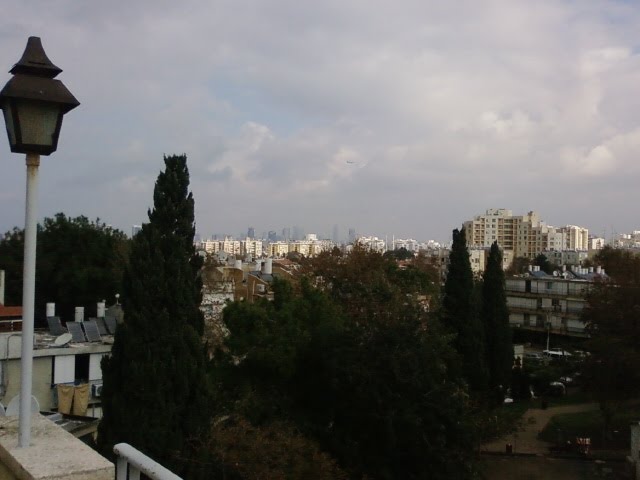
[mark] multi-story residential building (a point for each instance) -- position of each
(250, 247)
(247, 247)
(596, 243)
(525, 235)
(374, 243)
(542, 302)
(409, 244)
(566, 257)
(626, 240)
(278, 249)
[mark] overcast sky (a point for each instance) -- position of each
(393, 117)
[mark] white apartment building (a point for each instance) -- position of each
(374, 243)
(230, 246)
(278, 249)
(627, 240)
(524, 235)
(251, 247)
(409, 244)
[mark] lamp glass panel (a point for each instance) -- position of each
(8, 120)
(38, 122)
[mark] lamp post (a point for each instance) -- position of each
(33, 104)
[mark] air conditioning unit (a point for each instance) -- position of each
(96, 390)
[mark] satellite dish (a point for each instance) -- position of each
(14, 406)
(63, 339)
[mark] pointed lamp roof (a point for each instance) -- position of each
(35, 62)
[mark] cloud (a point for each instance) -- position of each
(409, 116)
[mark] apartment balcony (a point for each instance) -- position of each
(54, 453)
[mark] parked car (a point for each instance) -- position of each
(534, 357)
(556, 353)
(557, 389)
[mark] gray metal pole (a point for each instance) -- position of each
(28, 300)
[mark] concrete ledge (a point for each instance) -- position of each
(54, 453)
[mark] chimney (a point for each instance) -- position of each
(51, 309)
(1, 287)
(101, 309)
(79, 314)
(267, 267)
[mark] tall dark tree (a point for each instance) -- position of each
(460, 315)
(495, 319)
(79, 262)
(156, 395)
(12, 261)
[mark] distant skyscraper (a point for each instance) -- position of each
(298, 233)
(135, 229)
(272, 236)
(251, 232)
(286, 234)
(352, 235)
(335, 235)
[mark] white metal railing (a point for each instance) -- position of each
(137, 462)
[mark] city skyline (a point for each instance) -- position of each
(403, 118)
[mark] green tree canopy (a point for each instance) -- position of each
(612, 318)
(79, 263)
(157, 395)
(543, 262)
(357, 365)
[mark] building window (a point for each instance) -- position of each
(82, 368)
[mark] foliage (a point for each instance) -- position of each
(612, 317)
(79, 262)
(495, 318)
(273, 451)
(156, 394)
(356, 366)
(12, 261)
(460, 316)
(544, 264)
(518, 266)
(399, 254)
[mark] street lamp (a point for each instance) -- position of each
(33, 104)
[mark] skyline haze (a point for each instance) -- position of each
(402, 118)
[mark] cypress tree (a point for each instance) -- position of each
(495, 319)
(460, 314)
(156, 393)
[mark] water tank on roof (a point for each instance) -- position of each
(79, 317)
(51, 309)
(238, 264)
(101, 308)
(267, 267)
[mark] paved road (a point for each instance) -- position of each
(525, 440)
